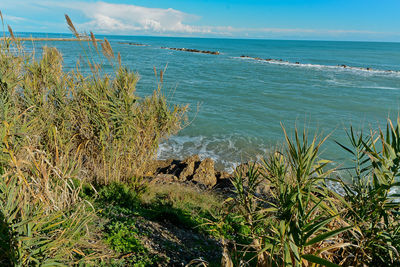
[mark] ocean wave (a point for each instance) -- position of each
(356, 85)
(226, 150)
(319, 66)
(380, 87)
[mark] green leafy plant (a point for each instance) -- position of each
(294, 226)
(371, 198)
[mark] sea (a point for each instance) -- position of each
(239, 105)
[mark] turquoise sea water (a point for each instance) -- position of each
(237, 104)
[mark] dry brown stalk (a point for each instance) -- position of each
(71, 26)
(11, 32)
(94, 41)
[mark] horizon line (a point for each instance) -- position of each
(223, 38)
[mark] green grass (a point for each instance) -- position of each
(120, 207)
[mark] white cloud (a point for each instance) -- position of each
(281, 30)
(13, 18)
(106, 17)
(122, 18)
(103, 17)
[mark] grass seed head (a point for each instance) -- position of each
(71, 26)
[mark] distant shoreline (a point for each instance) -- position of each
(50, 39)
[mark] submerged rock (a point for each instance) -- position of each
(192, 50)
(134, 44)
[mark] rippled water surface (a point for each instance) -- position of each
(237, 104)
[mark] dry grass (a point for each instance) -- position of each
(62, 129)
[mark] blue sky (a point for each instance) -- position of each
(369, 20)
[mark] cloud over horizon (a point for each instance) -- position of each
(106, 17)
(113, 18)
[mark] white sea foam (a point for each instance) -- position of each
(226, 151)
(321, 67)
(380, 87)
(357, 85)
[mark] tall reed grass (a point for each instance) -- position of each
(60, 129)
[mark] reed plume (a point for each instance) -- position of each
(107, 49)
(11, 32)
(94, 41)
(71, 26)
(119, 59)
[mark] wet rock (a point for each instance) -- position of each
(205, 173)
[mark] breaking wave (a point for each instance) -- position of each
(319, 66)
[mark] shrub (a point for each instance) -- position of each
(60, 130)
(371, 199)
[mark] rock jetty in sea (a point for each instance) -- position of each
(135, 44)
(192, 50)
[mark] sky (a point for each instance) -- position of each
(347, 20)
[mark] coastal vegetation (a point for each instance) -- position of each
(77, 150)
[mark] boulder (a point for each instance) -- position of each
(158, 166)
(174, 168)
(164, 178)
(188, 167)
(205, 173)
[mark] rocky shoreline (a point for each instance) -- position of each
(192, 170)
(200, 174)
